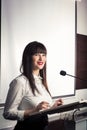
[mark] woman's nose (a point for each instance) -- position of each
(40, 57)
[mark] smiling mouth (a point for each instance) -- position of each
(40, 63)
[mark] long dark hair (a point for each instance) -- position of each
(26, 66)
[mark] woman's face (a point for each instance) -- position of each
(39, 60)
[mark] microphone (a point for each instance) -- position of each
(63, 73)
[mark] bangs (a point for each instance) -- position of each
(34, 47)
(38, 48)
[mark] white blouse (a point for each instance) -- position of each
(20, 97)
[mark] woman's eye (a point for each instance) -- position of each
(43, 54)
(36, 54)
(39, 54)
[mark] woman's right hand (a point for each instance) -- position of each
(42, 106)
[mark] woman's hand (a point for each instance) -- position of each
(58, 102)
(42, 106)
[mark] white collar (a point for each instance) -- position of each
(37, 76)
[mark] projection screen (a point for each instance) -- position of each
(51, 22)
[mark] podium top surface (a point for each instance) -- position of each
(61, 108)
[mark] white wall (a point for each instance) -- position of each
(82, 17)
(82, 29)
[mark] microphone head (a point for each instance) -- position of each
(63, 72)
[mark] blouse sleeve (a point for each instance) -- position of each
(13, 100)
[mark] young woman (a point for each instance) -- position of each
(29, 93)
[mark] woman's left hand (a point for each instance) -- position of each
(58, 102)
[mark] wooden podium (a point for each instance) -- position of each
(61, 108)
(62, 124)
